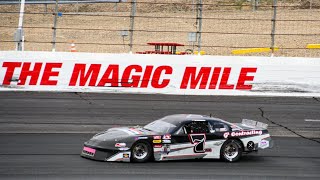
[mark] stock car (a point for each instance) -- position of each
(178, 137)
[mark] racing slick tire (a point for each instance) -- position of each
(231, 150)
(141, 152)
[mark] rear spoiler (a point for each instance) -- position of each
(254, 124)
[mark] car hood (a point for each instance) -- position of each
(108, 139)
(123, 132)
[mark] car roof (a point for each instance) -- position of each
(177, 119)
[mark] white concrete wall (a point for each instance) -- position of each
(265, 76)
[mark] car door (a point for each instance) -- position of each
(215, 138)
(188, 142)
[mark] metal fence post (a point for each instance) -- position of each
(193, 8)
(133, 13)
(55, 27)
(254, 4)
(77, 6)
(19, 36)
(199, 22)
(273, 31)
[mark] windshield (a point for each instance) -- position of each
(160, 126)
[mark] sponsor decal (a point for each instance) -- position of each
(166, 141)
(136, 131)
(120, 145)
(124, 149)
(157, 141)
(125, 155)
(128, 76)
(138, 138)
(156, 137)
(38, 73)
(250, 145)
(157, 146)
(242, 133)
(225, 135)
(167, 136)
(165, 149)
(199, 141)
(132, 76)
(88, 151)
(263, 144)
(194, 77)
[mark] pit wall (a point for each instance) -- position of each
(164, 74)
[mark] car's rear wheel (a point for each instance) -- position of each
(141, 152)
(231, 150)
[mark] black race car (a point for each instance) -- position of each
(181, 136)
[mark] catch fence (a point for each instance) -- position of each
(229, 27)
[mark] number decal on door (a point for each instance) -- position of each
(199, 140)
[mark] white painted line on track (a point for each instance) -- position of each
(312, 120)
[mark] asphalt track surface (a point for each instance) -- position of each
(41, 135)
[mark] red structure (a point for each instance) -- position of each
(164, 48)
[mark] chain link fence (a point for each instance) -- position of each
(228, 27)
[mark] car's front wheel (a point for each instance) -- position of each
(141, 152)
(231, 150)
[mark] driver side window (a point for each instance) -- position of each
(194, 127)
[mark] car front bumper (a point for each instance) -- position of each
(105, 154)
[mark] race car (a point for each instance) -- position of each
(179, 137)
